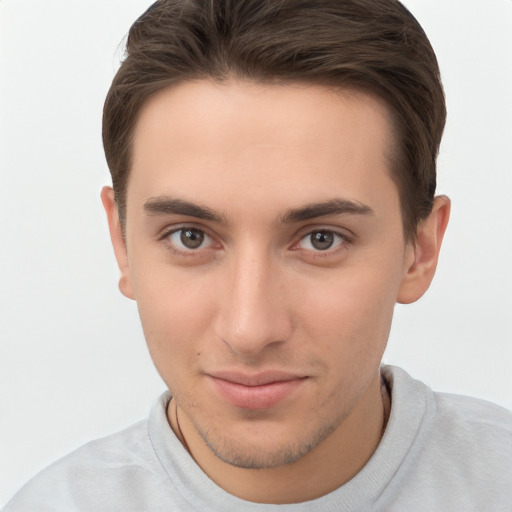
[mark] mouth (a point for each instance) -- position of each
(257, 392)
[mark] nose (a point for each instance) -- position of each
(253, 313)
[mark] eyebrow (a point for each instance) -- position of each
(164, 205)
(170, 206)
(330, 207)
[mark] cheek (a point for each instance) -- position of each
(352, 312)
(174, 314)
(349, 323)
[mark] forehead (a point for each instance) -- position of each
(207, 141)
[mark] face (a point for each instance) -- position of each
(265, 250)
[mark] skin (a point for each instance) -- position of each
(257, 295)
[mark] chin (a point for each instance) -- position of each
(263, 452)
(256, 458)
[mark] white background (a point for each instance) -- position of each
(73, 363)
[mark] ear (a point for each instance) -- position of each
(424, 252)
(118, 241)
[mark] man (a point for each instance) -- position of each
(273, 169)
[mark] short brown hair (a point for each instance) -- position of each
(375, 46)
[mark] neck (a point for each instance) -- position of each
(329, 465)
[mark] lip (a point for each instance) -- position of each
(257, 391)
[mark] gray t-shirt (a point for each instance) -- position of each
(440, 452)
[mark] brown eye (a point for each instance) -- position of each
(321, 240)
(189, 239)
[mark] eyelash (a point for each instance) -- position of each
(343, 239)
(344, 242)
(165, 237)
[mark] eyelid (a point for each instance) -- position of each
(205, 241)
(170, 229)
(344, 232)
(337, 239)
(346, 235)
(165, 234)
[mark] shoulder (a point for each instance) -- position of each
(453, 420)
(110, 466)
(473, 413)
(470, 448)
(460, 452)
(473, 428)
(466, 414)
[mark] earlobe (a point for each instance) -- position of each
(118, 241)
(425, 251)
